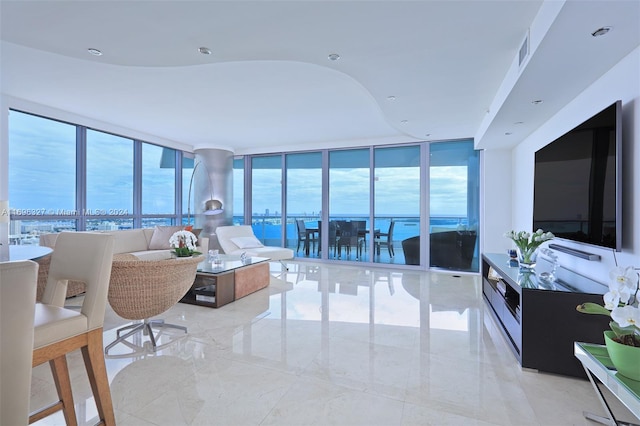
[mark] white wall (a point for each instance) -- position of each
(496, 200)
(621, 82)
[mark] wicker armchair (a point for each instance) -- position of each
(141, 289)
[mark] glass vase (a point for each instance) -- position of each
(527, 258)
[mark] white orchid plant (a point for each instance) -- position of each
(621, 304)
(184, 243)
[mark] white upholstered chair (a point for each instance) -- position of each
(17, 306)
(82, 257)
(240, 239)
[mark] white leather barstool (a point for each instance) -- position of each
(17, 305)
(85, 257)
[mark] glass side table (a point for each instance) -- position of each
(597, 365)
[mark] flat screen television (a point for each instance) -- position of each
(577, 182)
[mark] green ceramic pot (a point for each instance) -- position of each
(625, 358)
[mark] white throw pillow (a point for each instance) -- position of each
(161, 235)
(246, 242)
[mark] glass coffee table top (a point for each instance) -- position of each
(228, 262)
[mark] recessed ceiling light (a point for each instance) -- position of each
(404, 121)
(537, 102)
(204, 50)
(391, 98)
(334, 56)
(519, 122)
(94, 52)
(601, 31)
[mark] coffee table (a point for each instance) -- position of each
(215, 284)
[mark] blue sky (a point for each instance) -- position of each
(42, 176)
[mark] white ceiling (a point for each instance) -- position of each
(269, 85)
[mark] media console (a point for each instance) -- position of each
(538, 318)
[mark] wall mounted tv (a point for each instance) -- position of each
(577, 183)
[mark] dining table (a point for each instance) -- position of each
(9, 253)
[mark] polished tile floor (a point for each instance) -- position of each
(330, 344)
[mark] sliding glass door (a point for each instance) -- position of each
(397, 205)
(238, 191)
(349, 192)
(454, 205)
(304, 203)
(266, 199)
(375, 204)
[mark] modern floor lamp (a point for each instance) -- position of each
(212, 206)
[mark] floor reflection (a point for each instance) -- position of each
(330, 344)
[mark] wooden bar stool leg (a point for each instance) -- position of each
(60, 371)
(97, 372)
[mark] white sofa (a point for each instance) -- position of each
(240, 239)
(150, 243)
(146, 244)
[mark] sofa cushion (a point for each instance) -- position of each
(161, 235)
(271, 252)
(152, 254)
(226, 234)
(128, 240)
(247, 242)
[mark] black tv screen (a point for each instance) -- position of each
(577, 193)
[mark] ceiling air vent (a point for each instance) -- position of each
(524, 50)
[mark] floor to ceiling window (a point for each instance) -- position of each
(304, 202)
(64, 176)
(378, 201)
(454, 205)
(158, 186)
(238, 191)
(360, 204)
(397, 205)
(109, 181)
(266, 199)
(188, 209)
(349, 189)
(42, 177)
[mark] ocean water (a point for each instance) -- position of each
(268, 229)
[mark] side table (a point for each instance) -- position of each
(597, 365)
(219, 284)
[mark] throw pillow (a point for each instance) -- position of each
(161, 235)
(246, 242)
